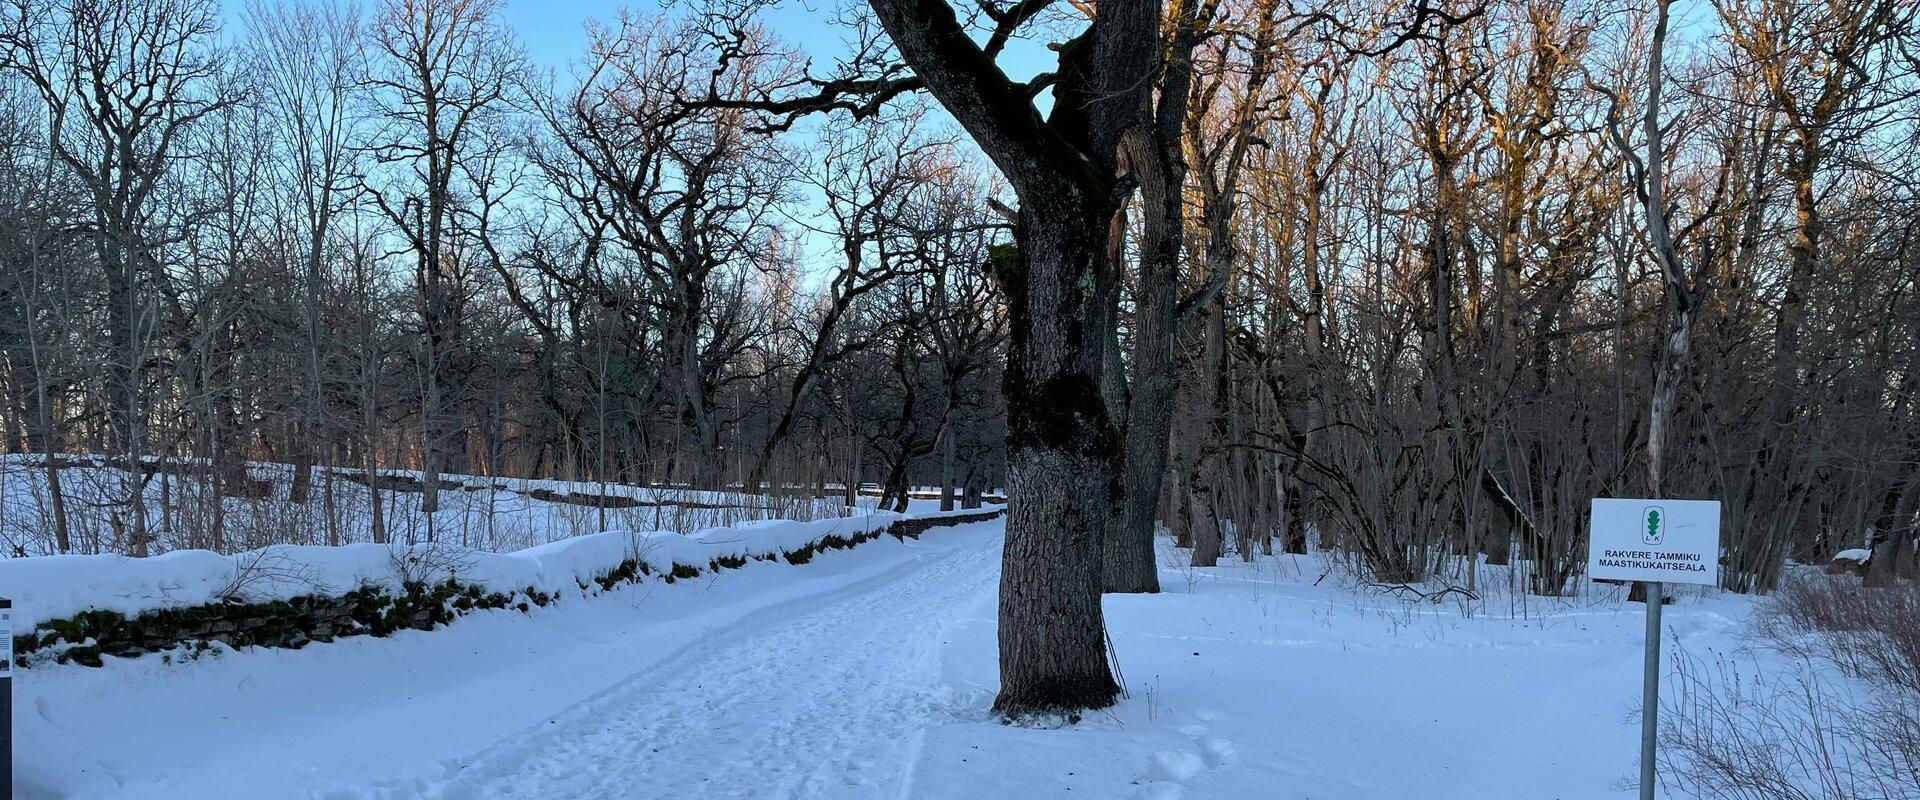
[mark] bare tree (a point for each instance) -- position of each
(307, 61)
(124, 83)
(441, 92)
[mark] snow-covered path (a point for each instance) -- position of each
(822, 698)
(868, 673)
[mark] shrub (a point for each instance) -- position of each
(1869, 633)
(1732, 730)
(1837, 719)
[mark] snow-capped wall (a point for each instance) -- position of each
(286, 596)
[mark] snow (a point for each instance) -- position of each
(53, 587)
(1251, 681)
(868, 673)
(1856, 554)
(370, 717)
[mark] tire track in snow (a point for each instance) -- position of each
(821, 699)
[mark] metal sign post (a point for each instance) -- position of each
(6, 699)
(1650, 693)
(1656, 542)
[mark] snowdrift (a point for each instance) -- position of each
(77, 608)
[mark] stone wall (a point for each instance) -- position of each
(88, 637)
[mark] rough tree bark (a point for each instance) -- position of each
(1160, 163)
(1061, 444)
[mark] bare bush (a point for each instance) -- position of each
(1869, 633)
(1839, 721)
(1734, 730)
(430, 563)
(261, 573)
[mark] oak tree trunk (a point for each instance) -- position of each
(1060, 462)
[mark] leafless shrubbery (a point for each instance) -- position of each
(1871, 634)
(430, 563)
(256, 571)
(1735, 729)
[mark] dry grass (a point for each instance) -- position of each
(1868, 633)
(1837, 719)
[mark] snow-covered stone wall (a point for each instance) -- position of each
(79, 609)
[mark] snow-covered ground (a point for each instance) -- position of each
(1251, 681)
(867, 673)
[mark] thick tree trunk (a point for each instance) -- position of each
(44, 437)
(1802, 256)
(1499, 544)
(1884, 564)
(1180, 512)
(1160, 164)
(1295, 523)
(896, 492)
(1892, 551)
(1206, 525)
(432, 435)
(1061, 444)
(852, 489)
(302, 484)
(230, 455)
(1060, 462)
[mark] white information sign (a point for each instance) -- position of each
(6, 642)
(1672, 541)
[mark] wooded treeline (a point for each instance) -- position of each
(1446, 307)
(375, 236)
(1391, 279)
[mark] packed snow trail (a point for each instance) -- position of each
(869, 673)
(821, 699)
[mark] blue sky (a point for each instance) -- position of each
(553, 32)
(554, 35)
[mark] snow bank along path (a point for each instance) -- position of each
(53, 587)
(196, 598)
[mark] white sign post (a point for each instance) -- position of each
(1658, 542)
(6, 699)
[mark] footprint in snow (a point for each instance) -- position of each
(1170, 768)
(1175, 765)
(1220, 752)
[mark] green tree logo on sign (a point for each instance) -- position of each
(1656, 526)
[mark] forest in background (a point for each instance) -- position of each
(1395, 280)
